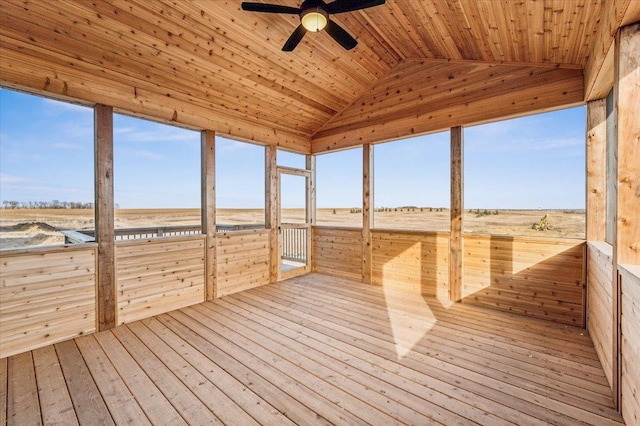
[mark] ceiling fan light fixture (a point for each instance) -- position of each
(314, 19)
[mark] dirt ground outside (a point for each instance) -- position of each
(40, 227)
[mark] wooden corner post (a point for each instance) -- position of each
(271, 210)
(104, 211)
(626, 244)
(457, 210)
(367, 211)
(596, 170)
(208, 211)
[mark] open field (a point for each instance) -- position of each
(38, 227)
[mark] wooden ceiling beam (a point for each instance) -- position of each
(598, 68)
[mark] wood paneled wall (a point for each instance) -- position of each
(338, 252)
(413, 261)
(539, 277)
(243, 261)
(157, 276)
(630, 343)
(600, 303)
(46, 296)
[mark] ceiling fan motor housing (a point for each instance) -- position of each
(313, 15)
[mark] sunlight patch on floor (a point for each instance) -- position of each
(407, 326)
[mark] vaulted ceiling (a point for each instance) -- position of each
(419, 66)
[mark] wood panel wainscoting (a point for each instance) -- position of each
(314, 350)
(630, 343)
(158, 275)
(47, 295)
(534, 276)
(337, 251)
(600, 303)
(242, 261)
(414, 261)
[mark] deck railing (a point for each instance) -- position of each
(294, 244)
(88, 235)
(294, 239)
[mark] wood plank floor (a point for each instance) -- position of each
(315, 350)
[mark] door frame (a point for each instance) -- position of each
(280, 170)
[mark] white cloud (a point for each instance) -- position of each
(66, 145)
(131, 135)
(8, 179)
(55, 106)
(146, 155)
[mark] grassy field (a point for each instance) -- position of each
(31, 227)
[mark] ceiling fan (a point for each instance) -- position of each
(314, 17)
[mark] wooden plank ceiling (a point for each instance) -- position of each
(419, 66)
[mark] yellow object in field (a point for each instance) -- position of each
(543, 225)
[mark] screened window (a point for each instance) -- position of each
(46, 170)
(291, 159)
(411, 183)
(526, 176)
(156, 179)
(339, 188)
(240, 185)
(612, 167)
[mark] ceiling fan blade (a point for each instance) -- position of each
(294, 39)
(341, 6)
(269, 8)
(340, 35)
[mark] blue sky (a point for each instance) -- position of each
(46, 153)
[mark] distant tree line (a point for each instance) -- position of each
(54, 204)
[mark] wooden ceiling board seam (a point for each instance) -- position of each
(395, 27)
(466, 44)
(374, 38)
(411, 19)
(471, 34)
(446, 45)
(369, 38)
(492, 32)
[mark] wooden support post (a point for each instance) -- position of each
(457, 210)
(367, 211)
(271, 210)
(627, 98)
(104, 211)
(208, 211)
(626, 245)
(596, 170)
(311, 208)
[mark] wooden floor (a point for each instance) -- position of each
(314, 350)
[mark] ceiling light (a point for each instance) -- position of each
(314, 19)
